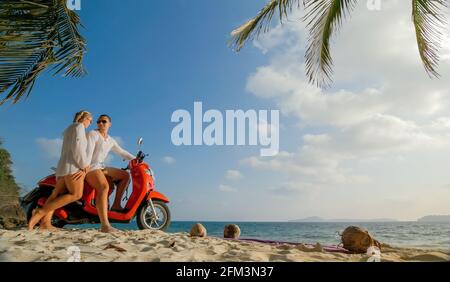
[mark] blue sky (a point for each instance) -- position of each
(145, 59)
(373, 145)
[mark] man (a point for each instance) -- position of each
(102, 144)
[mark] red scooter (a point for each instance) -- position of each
(147, 205)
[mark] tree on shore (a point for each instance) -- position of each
(35, 36)
(9, 190)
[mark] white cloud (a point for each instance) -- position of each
(51, 147)
(227, 189)
(296, 96)
(276, 163)
(382, 107)
(169, 160)
(291, 189)
(233, 174)
(445, 56)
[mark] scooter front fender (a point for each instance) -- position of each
(154, 195)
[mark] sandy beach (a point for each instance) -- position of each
(156, 246)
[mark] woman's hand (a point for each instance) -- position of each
(78, 174)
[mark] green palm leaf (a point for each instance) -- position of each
(428, 22)
(35, 35)
(324, 17)
(261, 23)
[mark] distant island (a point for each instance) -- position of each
(428, 218)
(435, 218)
(320, 219)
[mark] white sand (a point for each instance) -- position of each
(149, 245)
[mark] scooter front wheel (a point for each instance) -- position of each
(147, 219)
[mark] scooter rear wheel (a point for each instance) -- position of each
(146, 219)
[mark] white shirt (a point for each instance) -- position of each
(74, 155)
(99, 147)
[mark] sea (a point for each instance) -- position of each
(416, 234)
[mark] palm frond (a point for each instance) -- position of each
(261, 23)
(72, 45)
(428, 22)
(35, 35)
(324, 18)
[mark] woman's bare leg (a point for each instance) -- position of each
(60, 188)
(97, 179)
(123, 178)
(74, 186)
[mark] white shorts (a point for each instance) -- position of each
(97, 166)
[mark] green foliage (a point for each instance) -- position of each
(9, 190)
(36, 35)
(428, 22)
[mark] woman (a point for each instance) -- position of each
(72, 168)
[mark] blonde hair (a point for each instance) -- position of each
(81, 115)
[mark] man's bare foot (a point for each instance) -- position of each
(48, 227)
(108, 229)
(37, 215)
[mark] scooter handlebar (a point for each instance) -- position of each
(139, 159)
(140, 156)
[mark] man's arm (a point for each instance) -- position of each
(121, 152)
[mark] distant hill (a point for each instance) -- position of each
(435, 218)
(309, 219)
(320, 219)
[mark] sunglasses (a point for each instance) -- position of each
(102, 121)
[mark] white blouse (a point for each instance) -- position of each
(99, 147)
(74, 155)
